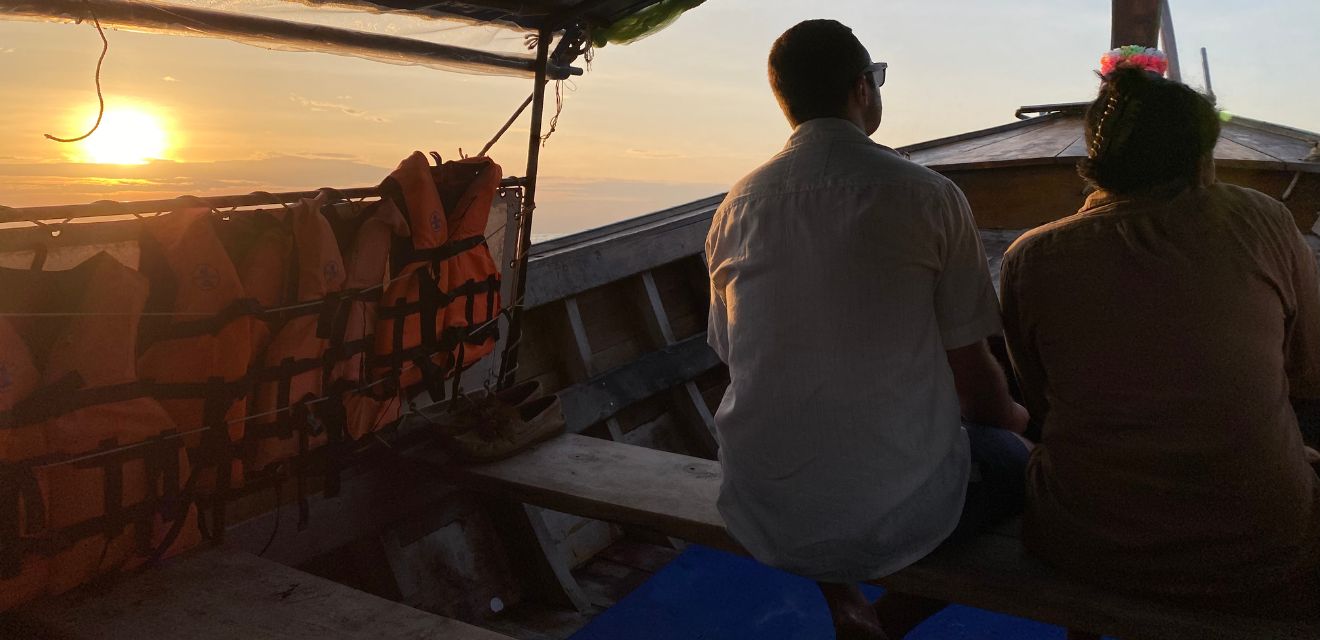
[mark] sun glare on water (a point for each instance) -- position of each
(126, 136)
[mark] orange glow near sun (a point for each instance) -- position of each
(127, 135)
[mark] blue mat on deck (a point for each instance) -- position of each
(706, 594)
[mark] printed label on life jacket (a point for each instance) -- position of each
(205, 277)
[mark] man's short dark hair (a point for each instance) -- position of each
(813, 67)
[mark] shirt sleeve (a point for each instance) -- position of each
(717, 325)
(1302, 350)
(965, 303)
(1019, 336)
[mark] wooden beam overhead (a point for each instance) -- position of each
(1135, 22)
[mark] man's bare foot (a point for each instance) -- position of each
(853, 616)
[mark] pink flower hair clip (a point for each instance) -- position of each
(1136, 57)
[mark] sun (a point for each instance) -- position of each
(127, 135)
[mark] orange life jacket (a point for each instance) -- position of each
(367, 263)
(262, 246)
(297, 352)
(23, 575)
(193, 277)
(467, 190)
(101, 503)
(423, 300)
(412, 188)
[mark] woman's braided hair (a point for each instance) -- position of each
(1144, 131)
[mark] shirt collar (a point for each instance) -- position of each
(826, 130)
(1162, 193)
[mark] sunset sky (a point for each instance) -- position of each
(670, 119)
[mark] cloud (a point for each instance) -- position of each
(169, 79)
(317, 105)
(647, 154)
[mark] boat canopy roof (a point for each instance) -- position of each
(471, 36)
(1052, 134)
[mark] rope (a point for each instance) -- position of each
(186, 314)
(499, 134)
(559, 109)
(105, 47)
(183, 434)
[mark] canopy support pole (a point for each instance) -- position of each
(509, 362)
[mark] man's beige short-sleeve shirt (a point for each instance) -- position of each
(841, 273)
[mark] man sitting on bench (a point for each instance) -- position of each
(851, 300)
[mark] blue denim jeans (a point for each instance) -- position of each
(997, 485)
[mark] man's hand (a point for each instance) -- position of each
(1019, 421)
(982, 389)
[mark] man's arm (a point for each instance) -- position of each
(983, 390)
(967, 312)
(1020, 341)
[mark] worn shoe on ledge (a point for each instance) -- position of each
(500, 434)
(461, 415)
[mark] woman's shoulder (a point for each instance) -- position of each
(1245, 200)
(1043, 237)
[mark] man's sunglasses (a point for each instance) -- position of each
(877, 72)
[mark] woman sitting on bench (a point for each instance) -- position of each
(1158, 335)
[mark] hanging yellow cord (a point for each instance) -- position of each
(105, 47)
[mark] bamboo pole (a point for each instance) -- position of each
(1135, 22)
(509, 361)
(1170, 43)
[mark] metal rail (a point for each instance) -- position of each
(105, 208)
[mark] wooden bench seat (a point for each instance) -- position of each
(676, 495)
(221, 594)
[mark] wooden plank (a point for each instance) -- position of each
(639, 224)
(576, 269)
(686, 396)
(1276, 147)
(607, 480)
(562, 540)
(930, 150)
(579, 360)
(1227, 149)
(1077, 150)
(1045, 140)
(219, 594)
(540, 564)
(676, 494)
(1020, 197)
(605, 395)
